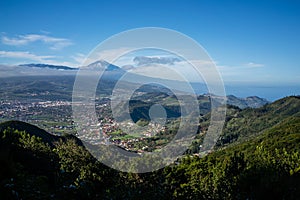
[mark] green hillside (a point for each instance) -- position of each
(28, 128)
(265, 167)
(46, 137)
(262, 163)
(243, 124)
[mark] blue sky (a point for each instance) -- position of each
(251, 41)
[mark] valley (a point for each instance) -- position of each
(45, 101)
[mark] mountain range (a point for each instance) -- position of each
(60, 88)
(271, 92)
(56, 67)
(92, 66)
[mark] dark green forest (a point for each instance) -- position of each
(257, 157)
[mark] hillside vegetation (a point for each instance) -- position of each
(244, 124)
(262, 162)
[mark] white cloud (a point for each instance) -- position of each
(79, 58)
(24, 55)
(47, 59)
(109, 55)
(148, 60)
(192, 71)
(55, 43)
(252, 64)
(13, 70)
(241, 73)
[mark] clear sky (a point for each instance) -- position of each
(256, 41)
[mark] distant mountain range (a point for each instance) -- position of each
(58, 67)
(93, 66)
(113, 73)
(252, 101)
(61, 87)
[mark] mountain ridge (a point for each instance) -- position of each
(33, 130)
(57, 67)
(250, 122)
